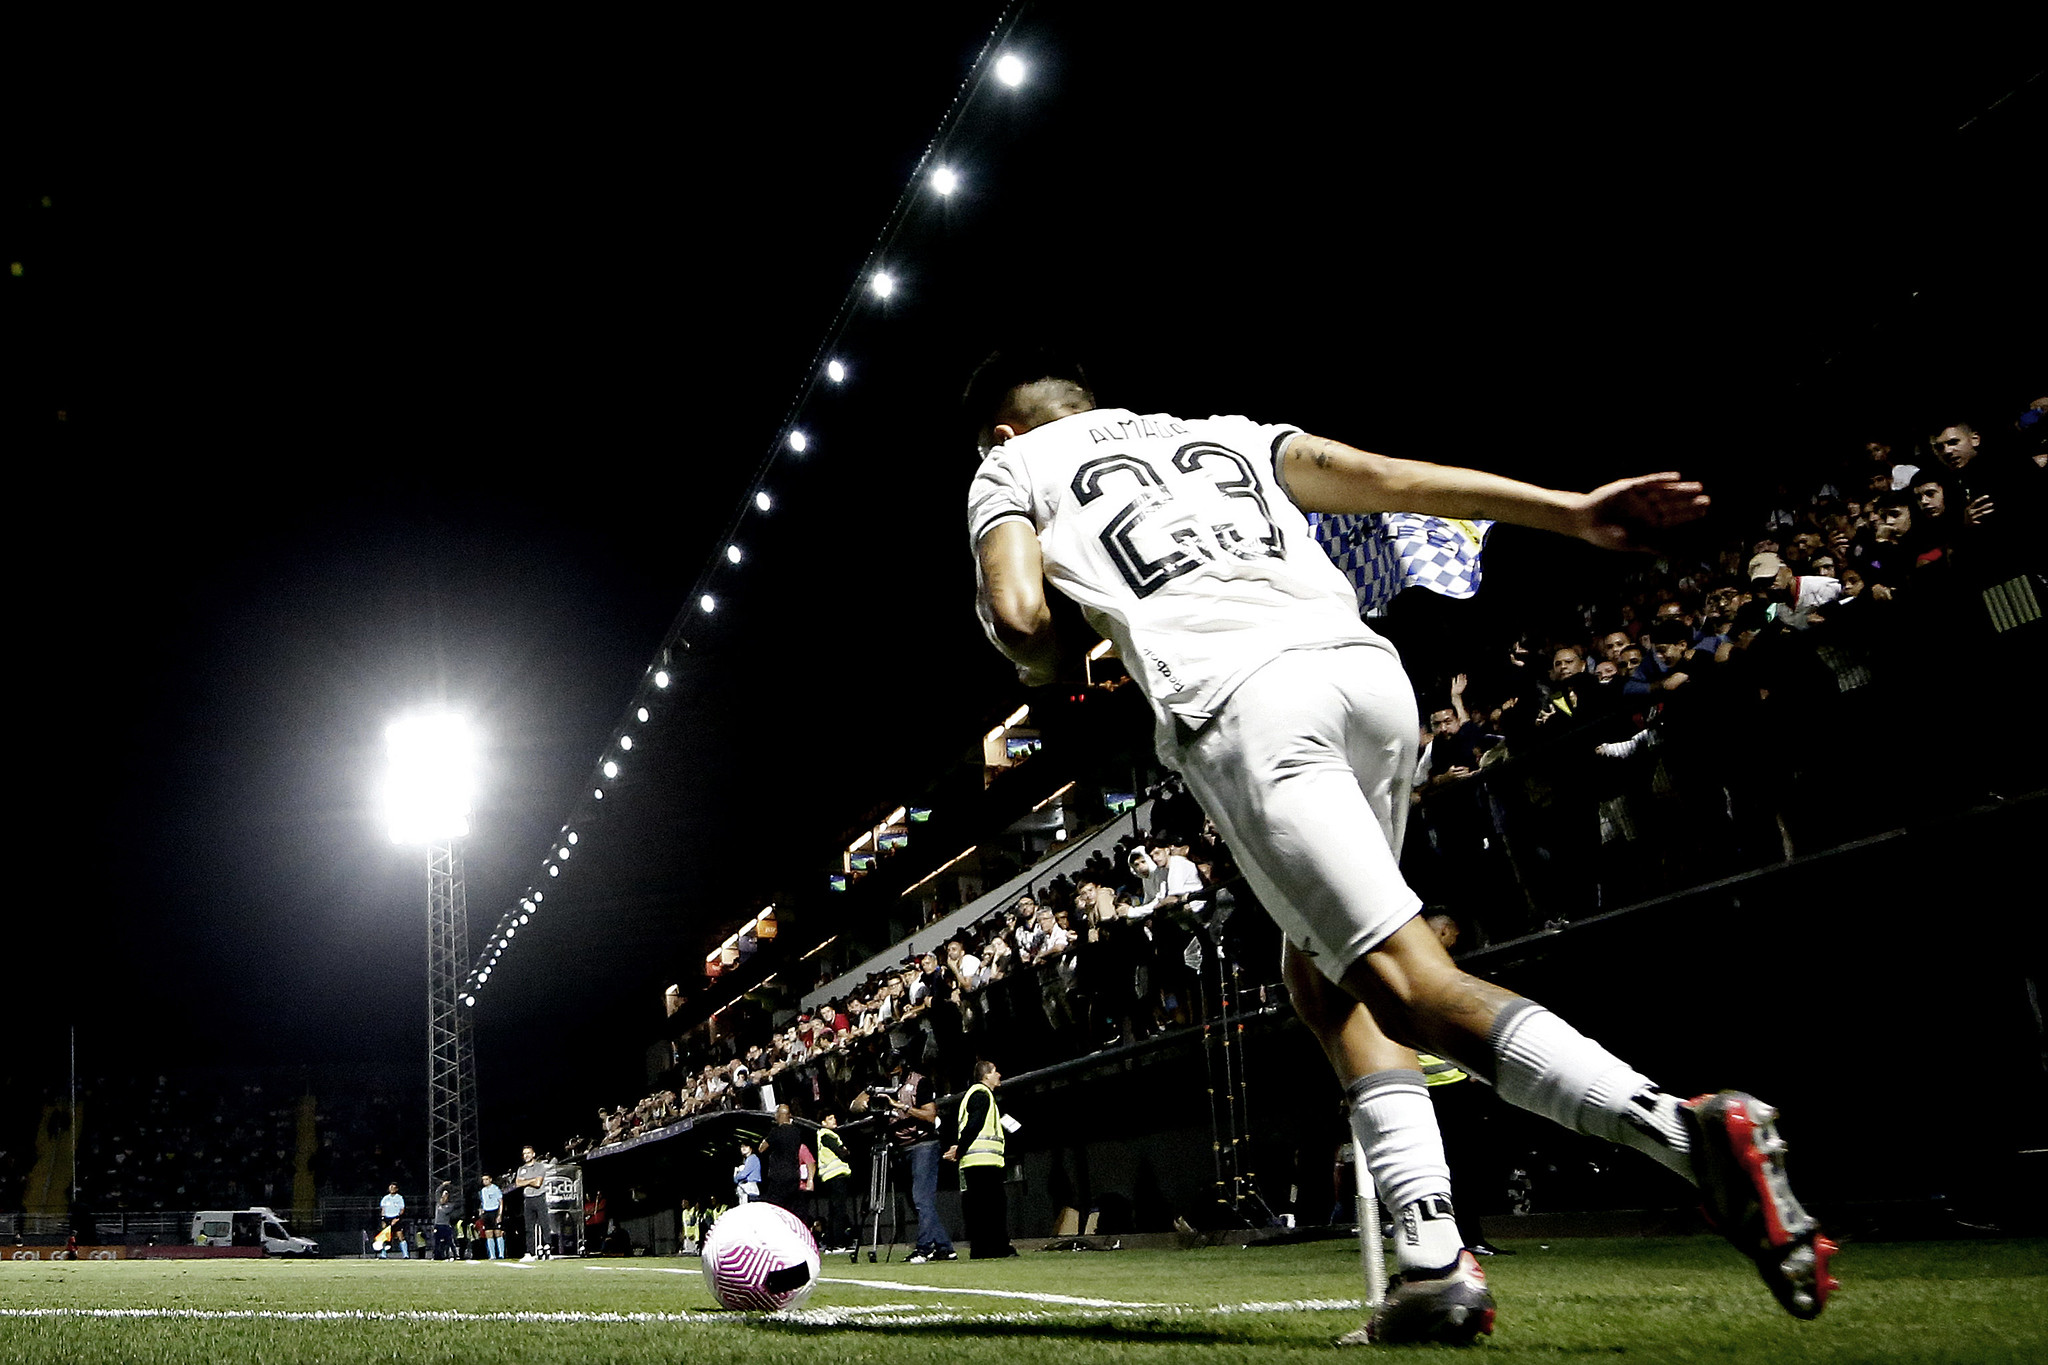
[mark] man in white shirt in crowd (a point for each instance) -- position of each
(1794, 598)
(964, 967)
(1170, 880)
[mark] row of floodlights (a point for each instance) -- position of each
(1010, 70)
(529, 904)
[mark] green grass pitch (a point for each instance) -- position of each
(1686, 1299)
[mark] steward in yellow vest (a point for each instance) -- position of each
(978, 1145)
(834, 1206)
(832, 1162)
(979, 1124)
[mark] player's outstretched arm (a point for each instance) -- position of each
(1328, 476)
(1013, 609)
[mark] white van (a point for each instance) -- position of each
(249, 1228)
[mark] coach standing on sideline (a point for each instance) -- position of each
(540, 1224)
(446, 1210)
(983, 1201)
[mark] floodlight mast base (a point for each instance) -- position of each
(453, 1153)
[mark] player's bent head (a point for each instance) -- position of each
(1022, 388)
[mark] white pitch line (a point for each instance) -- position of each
(870, 1315)
(1068, 1300)
(361, 1315)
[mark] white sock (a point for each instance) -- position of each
(1548, 1067)
(1394, 1124)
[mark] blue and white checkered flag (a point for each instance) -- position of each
(1385, 552)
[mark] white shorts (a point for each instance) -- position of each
(1306, 771)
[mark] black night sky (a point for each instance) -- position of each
(403, 369)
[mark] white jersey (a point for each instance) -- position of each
(1179, 543)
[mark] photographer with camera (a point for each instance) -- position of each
(913, 1125)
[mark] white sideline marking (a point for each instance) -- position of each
(869, 1315)
(876, 1317)
(357, 1315)
(1289, 1306)
(1067, 1299)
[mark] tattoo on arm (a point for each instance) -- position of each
(1314, 448)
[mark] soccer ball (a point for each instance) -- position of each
(760, 1256)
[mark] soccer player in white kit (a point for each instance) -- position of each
(1184, 542)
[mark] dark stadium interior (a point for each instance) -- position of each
(334, 401)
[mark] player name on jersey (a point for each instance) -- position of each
(1137, 428)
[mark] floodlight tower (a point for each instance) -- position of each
(429, 800)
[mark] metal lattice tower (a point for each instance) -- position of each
(452, 1150)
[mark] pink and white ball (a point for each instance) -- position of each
(761, 1257)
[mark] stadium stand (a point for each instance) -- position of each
(1717, 711)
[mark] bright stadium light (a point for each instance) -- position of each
(944, 181)
(554, 871)
(429, 794)
(732, 553)
(1010, 70)
(642, 713)
(884, 284)
(835, 372)
(572, 833)
(625, 741)
(611, 769)
(763, 501)
(797, 441)
(430, 787)
(708, 603)
(597, 793)
(661, 677)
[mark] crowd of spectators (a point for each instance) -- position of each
(1125, 946)
(148, 1143)
(156, 1142)
(1735, 707)
(1719, 711)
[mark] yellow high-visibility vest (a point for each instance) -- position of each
(1439, 1071)
(986, 1147)
(831, 1160)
